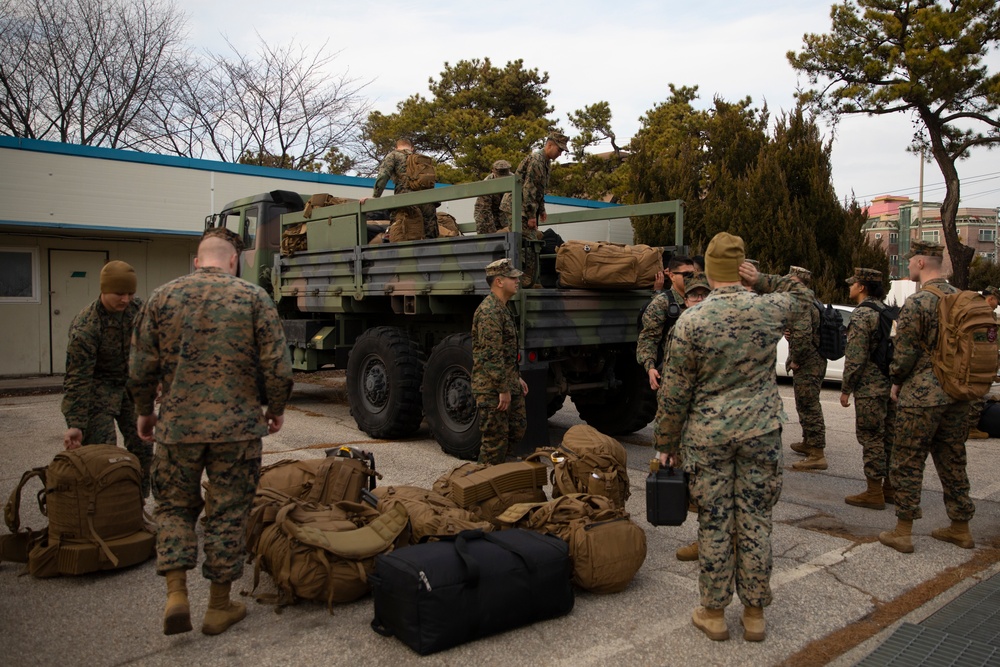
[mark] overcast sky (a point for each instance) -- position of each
(625, 52)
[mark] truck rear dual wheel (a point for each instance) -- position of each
(449, 404)
(625, 410)
(384, 371)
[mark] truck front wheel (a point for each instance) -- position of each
(449, 404)
(383, 383)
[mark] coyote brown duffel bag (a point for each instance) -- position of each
(607, 265)
(487, 491)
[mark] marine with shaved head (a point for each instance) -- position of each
(214, 344)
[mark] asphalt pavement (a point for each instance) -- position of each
(834, 585)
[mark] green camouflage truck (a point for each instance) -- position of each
(397, 316)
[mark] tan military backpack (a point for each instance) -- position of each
(965, 358)
(606, 547)
(420, 173)
(431, 514)
(587, 461)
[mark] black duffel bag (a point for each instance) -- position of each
(437, 595)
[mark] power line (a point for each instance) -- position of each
(978, 178)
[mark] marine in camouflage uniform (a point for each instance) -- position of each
(808, 370)
(534, 172)
(719, 401)
(94, 396)
(874, 413)
(215, 345)
(496, 380)
(393, 167)
(928, 421)
(487, 214)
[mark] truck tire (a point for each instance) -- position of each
(449, 404)
(555, 405)
(384, 370)
(625, 410)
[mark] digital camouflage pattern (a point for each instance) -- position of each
(94, 395)
(807, 379)
(928, 421)
(743, 510)
(874, 413)
(534, 171)
(495, 371)
(233, 472)
(215, 342)
(718, 403)
(215, 345)
(531, 241)
(916, 337)
(648, 347)
(487, 214)
(393, 167)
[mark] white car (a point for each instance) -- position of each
(834, 369)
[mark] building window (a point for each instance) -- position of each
(893, 237)
(989, 235)
(893, 260)
(987, 255)
(878, 236)
(19, 275)
(934, 236)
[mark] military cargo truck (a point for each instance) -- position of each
(397, 316)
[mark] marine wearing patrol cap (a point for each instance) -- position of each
(862, 275)
(501, 168)
(992, 291)
(804, 275)
(694, 282)
(559, 139)
(926, 249)
(502, 267)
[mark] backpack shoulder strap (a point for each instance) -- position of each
(12, 510)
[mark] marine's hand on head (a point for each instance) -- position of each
(748, 274)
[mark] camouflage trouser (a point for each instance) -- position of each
(233, 471)
(875, 426)
(940, 431)
(975, 412)
(500, 430)
(529, 256)
(806, 383)
(735, 486)
(101, 431)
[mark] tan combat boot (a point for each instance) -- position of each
(177, 615)
(815, 460)
(712, 622)
(871, 499)
(800, 448)
(689, 552)
(957, 533)
(976, 434)
(899, 537)
(222, 612)
(888, 493)
(753, 624)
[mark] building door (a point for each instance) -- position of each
(74, 283)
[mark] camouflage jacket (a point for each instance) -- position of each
(803, 343)
(393, 168)
(487, 213)
(652, 340)
(216, 344)
(916, 337)
(718, 378)
(97, 362)
(494, 349)
(861, 377)
(534, 172)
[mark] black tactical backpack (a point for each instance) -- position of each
(832, 332)
(881, 354)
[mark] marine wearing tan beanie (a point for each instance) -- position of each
(118, 278)
(723, 258)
